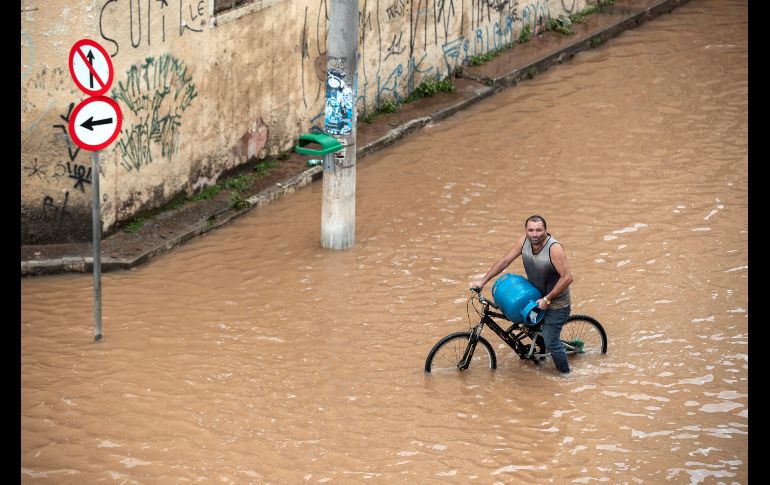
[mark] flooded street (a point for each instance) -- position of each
(252, 355)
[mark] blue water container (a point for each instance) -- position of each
(517, 298)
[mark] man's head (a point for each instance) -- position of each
(535, 218)
(536, 230)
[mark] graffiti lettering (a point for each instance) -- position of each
(364, 21)
(536, 15)
(395, 45)
(64, 129)
(36, 170)
(183, 25)
(141, 19)
(80, 174)
(452, 53)
(570, 8)
(445, 13)
(390, 85)
(53, 213)
(414, 70)
(396, 9)
(157, 92)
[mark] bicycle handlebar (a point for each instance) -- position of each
(482, 299)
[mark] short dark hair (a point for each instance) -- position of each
(536, 218)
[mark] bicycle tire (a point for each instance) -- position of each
(448, 352)
(587, 331)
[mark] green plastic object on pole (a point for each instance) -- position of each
(328, 144)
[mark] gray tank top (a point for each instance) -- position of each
(542, 273)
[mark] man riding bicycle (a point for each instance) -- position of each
(548, 270)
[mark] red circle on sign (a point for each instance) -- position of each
(104, 84)
(118, 123)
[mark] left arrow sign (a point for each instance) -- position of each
(95, 123)
(90, 123)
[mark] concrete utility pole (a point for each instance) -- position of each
(338, 211)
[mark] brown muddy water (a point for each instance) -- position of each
(252, 355)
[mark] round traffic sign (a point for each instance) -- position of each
(95, 123)
(91, 67)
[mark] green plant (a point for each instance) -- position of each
(561, 24)
(525, 34)
(240, 183)
(600, 6)
(482, 58)
(531, 73)
(206, 194)
(262, 168)
(430, 86)
(368, 117)
(578, 18)
(389, 105)
(596, 41)
(238, 202)
(134, 225)
(177, 202)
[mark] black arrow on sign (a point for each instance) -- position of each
(90, 57)
(90, 123)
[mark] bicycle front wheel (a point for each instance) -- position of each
(583, 335)
(448, 353)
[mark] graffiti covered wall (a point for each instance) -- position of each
(202, 93)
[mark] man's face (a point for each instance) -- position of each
(535, 232)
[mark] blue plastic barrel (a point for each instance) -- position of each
(517, 298)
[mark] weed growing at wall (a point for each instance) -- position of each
(482, 58)
(134, 225)
(263, 168)
(207, 194)
(388, 105)
(600, 6)
(430, 86)
(240, 183)
(525, 35)
(238, 202)
(562, 24)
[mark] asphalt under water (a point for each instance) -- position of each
(252, 355)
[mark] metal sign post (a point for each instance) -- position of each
(97, 236)
(94, 124)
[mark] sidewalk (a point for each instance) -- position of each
(123, 250)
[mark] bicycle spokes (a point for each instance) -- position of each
(575, 345)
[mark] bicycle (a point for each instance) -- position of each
(580, 335)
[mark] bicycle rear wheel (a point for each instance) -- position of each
(446, 355)
(583, 335)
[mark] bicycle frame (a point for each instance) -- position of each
(512, 338)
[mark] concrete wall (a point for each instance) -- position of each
(202, 93)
